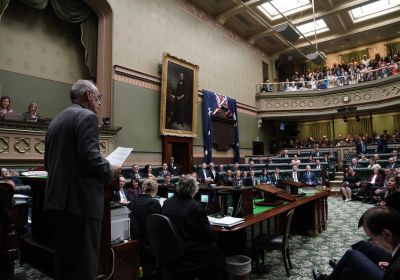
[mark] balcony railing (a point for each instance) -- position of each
(330, 81)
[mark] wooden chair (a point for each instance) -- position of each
(265, 242)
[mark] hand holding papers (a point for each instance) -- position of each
(118, 156)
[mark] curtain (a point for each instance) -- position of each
(362, 127)
(212, 103)
(393, 48)
(396, 122)
(356, 55)
(73, 11)
(319, 130)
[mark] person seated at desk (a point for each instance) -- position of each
(136, 173)
(295, 174)
(5, 102)
(382, 225)
(373, 164)
(204, 175)
(119, 195)
(295, 161)
(148, 171)
(143, 206)
(251, 180)
(32, 112)
(318, 165)
(213, 173)
(167, 182)
(10, 175)
(164, 171)
(134, 189)
(173, 167)
(227, 180)
(237, 179)
(285, 154)
(200, 240)
(265, 178)
(309, 178)
(275, 177)
(317, 152)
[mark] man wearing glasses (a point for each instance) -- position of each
(77, 174)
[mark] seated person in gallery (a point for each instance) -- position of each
(251, 180)
(318, 165)
(173, 167)
(265, 178)
(213, 173)
(275, 177)
(5, 103)
(32, 112)
(392, 195)
(295, 174)
(251, 165)
(204, 175)
(382, 226)
(309, 177)
(363, 158)
(372, 164)
(295, 161)
(120, 195)
(269, 160)
(148, 169)
(285, 154)
(200, 240)
(227, 180)
(166, 183)
(236, 167)
(381, 192)
(367, 189)
(354, 163)
(238, 179)
(351, 181)
(164, 171)
(136, 173)
(134, 189)
(317, 152)
(266, 87)
(143, 206)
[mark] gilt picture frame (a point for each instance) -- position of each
(179, 84)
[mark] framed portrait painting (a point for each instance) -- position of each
(178, 113)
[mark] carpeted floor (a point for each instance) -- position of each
(306, 252)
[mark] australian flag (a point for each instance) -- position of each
(213, 103)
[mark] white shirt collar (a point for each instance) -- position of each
(395, 250)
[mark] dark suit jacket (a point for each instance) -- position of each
(359, 147)
(378, 180)
(214, 177)
(175, 170)
(192, 223)
(77, 173)
(248, 181)
(200, 174)
(143, 206)
(393, 271)
(227, 181)
(309, 178)
(137, 175)
(274, 181)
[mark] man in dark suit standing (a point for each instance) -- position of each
(77, 174)
(173, 167)
(361, 148)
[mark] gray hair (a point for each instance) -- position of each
(80, 88)
(187, 186)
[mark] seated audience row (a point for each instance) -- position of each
(5, 103)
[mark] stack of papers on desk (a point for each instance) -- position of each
(225, 221)
(34, 173)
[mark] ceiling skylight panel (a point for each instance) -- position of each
(286, 7)
(374, 10)
(308, 28)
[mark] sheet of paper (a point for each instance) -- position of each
(34, 173)
(119, 155)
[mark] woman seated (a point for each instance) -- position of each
(134, 190)
(201, 252)
(5, 102)
(350, 181)
(147, 171)
(264, 178)
(392, 195)
(372, 164)
(32, 112)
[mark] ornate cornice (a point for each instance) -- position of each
(369, 96)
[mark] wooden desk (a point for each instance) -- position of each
(37, 249)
